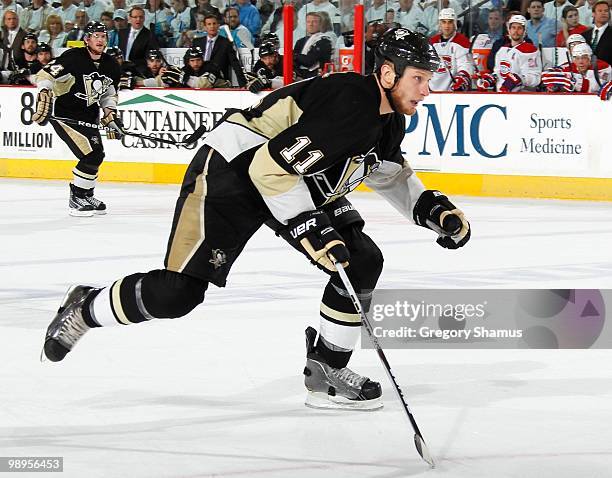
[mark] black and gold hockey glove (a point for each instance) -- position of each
(127, 81)
(257, 83)
(44, 105)
(173, 77)
(434, 211)
(313, 231)
(111, 120)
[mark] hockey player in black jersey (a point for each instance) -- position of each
(267, 72)
(289, 162)
(75, 86)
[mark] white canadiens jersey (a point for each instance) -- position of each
(586, 82)
(455, 54)
(522, 60)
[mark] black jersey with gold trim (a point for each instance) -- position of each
(311, 142)
(81, 85)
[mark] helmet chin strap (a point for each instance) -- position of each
(388, 90)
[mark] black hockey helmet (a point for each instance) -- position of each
(154, 54)
(193, 52)
(29, 36)
(114, 51)
(95, 27)
(42, 47)
(271, 37)
(267, 48)
(404, 48)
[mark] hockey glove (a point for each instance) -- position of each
(558, 81)
(605, 92)
(486, 82)
(111, 120)
(434, 211)
(173, 77)
(462, 82)
(127, 81)
(313, 231)
(44, 105)
(256, 83)
(512, 82)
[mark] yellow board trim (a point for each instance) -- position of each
(490, 185)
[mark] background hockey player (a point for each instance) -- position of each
(453, 48)
(75, 86)
(289, 162)
(196, 73)
(267, 72)
(579, 76)
(517, 62)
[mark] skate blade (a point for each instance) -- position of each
(77, 213)
(100, 213)
(43, 357)
(324, 401)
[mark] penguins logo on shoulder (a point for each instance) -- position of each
(401, 33)
(95, 86)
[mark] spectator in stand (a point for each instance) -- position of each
(249, 17)
(554, 10)
(204, 8)
(275, 25)
(119, 5)
(120, 19)
(327, 29)
(157, 19)
(54, 33)
(95, 8)
(541, 30)
(569, 25)
(600, 36)
(81, 20)
(67, 11)
(137, 40)
(219, 50)
(346, 10)
(374, 31)
(44, 53)
(453, 48)
(409, 15)
(579, 76)
(68, 26)
(517, 62)
(113, 37)
(11, 5)
(319, 6)
(376, 12)
(240, 34)
(187, 37)
(313, 51)
(495, 25)
(12, 39)
(586, 13)
(34, 17)
(180, 22)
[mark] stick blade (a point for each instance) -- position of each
(423, 450)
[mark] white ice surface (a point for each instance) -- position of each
(220, 393)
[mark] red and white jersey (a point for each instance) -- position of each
(522, 60)
(586, 82)
(455, 54)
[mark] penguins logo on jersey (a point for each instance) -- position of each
(95, 86)
(401, 33)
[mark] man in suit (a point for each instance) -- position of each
(12, 38)
(600, 36)
(219, 50)
(137, 40)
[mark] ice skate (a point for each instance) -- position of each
(99, 207)
(67, 326)
(78, 205)
(336, 388)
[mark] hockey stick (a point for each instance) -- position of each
(192, 138)
(418, 436)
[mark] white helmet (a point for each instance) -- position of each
(447, 14)
(520, 19)
(582, 49)
(575, 38)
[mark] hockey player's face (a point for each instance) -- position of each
(410, 90)
(447, 28)
(583, 63)
(516, 31)
(269, 60)
(96, 42)
(30, 46)
(43, 57)
(196, 63)
(154, 64)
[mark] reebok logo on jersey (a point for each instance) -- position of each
(303, 228)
